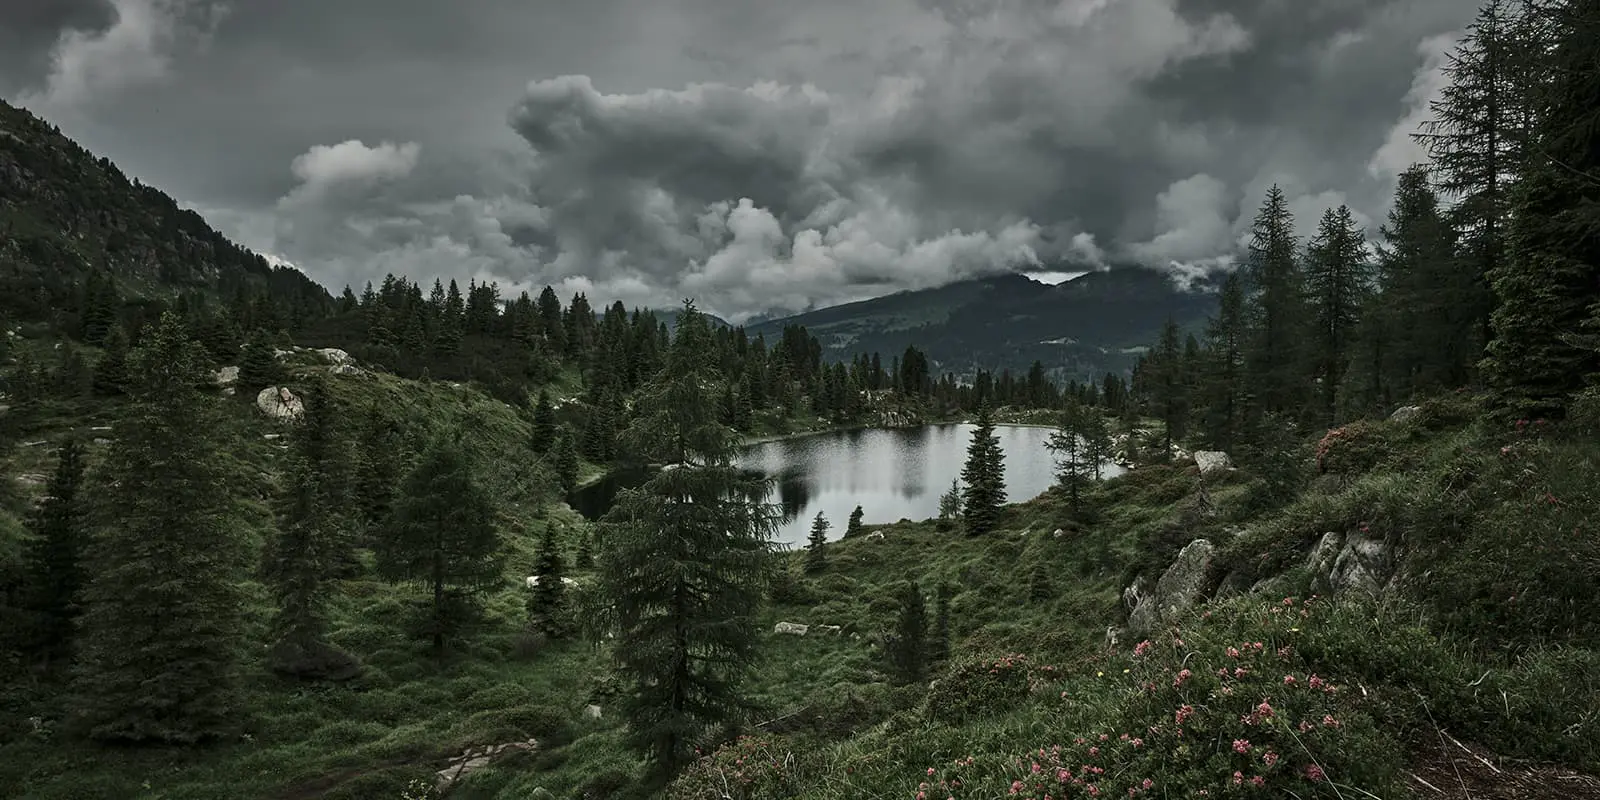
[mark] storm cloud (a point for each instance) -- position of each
(759, 156)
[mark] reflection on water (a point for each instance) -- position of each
(892, 474)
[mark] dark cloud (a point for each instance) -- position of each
(761, 155)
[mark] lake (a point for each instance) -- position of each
(893, 474)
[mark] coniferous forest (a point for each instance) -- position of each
(258, 540)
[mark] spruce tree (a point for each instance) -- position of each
(544, 424)
(816, 555)
(548, 606)
(111, 370)
(939, 641)
(1338, 279)
(258, 365)
(1076, 466)
(688, 559)
(853, 526)
(585, 558)
(1168, 385)
(908, 646)
(442, 535)
(317, 523)
(950, 505)
(1221, 390)
(1550, 286)
(162, 621)
(1275, 308)
(56, 553)
(984, 475)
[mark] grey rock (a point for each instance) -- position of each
(1181, 587)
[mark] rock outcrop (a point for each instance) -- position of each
(280, 403)
(1212, 462)
(1180, 588)
(1405, 413)
(1352, 563)
(476, 758)
(791, 628)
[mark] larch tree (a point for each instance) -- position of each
(318, 525)
(985, 477)
(1222, 385)
(688, 560)
(162, 623)
(1075, 465)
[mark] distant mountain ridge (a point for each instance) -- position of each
(1079, 328)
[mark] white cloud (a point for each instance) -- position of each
(1399, 150)
(137, 49)
(1191, 221)
(352, 161)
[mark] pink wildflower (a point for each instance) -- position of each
(1241, 745)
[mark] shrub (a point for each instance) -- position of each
(979, 687)
(743, 769)
(1351, 449)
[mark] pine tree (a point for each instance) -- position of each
(1550, 286)
(688, 559)
(984, 475)
(1338, 279)
(1275, 308)
(853, 526)
(548, 606)
(162, 622)
(1168, 385)
(908, 647)
(566, 463)
(544, 424)
(56, 553)
(816, 555)
(442, 535)
(317, 524)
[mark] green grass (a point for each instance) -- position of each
(1450, 650)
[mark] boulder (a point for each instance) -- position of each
(345, 369)
(1405, 413)
(1212, 462)
(876, 536)
(592, 711)
(476, 758)
(280, 403)
(335, 356)
(1181, 587)
(791, 628)
(533, 582)
(227, 376)
(1363, 566)
(833, 629)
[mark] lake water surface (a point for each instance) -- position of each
(892, 474)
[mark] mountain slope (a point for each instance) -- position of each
(65, 213)
(1080, 328)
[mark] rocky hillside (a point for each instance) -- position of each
(65, 213)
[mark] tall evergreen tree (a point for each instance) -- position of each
(585, 558)
(317, 525)
(258, 366)
(816, 544)
(1550, 286)
(853, 526)
(566, 462)
(56, 553)
(544, 424)
(985, 477)
(1338, 281)
(162, 622)
(908, 647)
(1167, 384)
(442, 535)
(1076, 465)
(1275, 308)
(688, 558)
(548, 606)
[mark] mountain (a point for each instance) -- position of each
(65, 214)
(1080, 328)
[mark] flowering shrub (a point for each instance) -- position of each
(1207, 712)
(1351, 449)
(985, 686)
(745, 768)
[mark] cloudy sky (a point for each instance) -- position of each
(755, 154)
